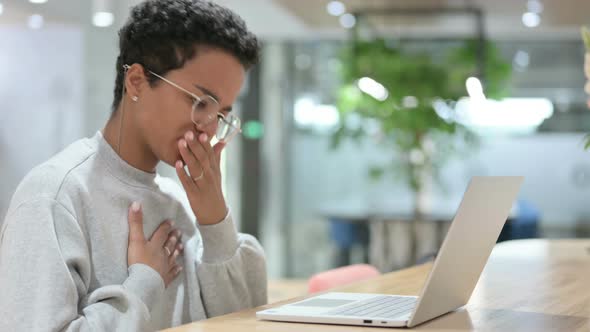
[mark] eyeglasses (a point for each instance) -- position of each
(205, 110)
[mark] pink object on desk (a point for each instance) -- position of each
(341, 276)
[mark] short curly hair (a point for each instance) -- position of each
(162, 35)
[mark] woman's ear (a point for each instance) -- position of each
(134, 81)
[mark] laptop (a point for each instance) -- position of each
(467, 246)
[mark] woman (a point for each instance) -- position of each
(94, 239)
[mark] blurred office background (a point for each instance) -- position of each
(316, 205)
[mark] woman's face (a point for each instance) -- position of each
(165, 114)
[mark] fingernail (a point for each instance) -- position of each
(189, 136)
(171, 223)
(203, 137)
(180, 246)
(179, 164)
(179, 269)
(183, 142)
(135, 207)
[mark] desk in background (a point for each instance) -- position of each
(527, 285)
(376, 229)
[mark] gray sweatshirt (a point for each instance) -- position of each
(63, 251)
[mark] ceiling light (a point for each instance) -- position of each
(37, 1)
(531, 20)
(35, 21)
(335, 8)
(102, 13)
(103, 19)
(347, 20)
(1, 9)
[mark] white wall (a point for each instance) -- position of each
(56, 86)
(41, 99)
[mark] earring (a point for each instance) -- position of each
(134, 98)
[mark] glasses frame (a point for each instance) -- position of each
(196, 100)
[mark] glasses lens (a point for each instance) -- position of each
(205, 111)
(228, 127)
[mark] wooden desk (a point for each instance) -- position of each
(527, 285)
(281, 290)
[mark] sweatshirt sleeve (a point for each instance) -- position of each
(45, 271)
(231, 269)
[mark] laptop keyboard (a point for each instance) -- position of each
(378, 307)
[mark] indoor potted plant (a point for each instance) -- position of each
(396, 92)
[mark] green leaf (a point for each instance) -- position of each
(586, 37)
(406, 72)
(376, 173)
